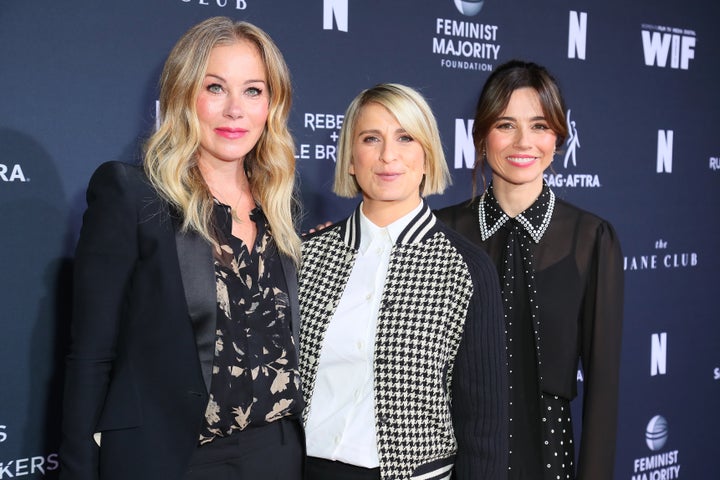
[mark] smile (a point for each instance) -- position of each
(523, 161)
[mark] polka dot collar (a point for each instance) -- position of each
(535, 219)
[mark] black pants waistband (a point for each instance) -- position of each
(279, 432)
(322, 469)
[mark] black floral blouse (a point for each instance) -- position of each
(255, 375)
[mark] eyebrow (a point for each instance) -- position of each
(375, 130)
(532, 119)
(222, 79)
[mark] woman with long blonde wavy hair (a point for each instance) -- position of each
(171, 154)
(184, 363)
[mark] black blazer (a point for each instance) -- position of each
(143, 335)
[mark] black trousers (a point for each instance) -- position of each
(271, 452)
(322, 469)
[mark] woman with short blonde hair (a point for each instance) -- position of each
(402, 350)
(413, 112)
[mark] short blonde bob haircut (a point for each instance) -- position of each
(414, 115)
(171, 153)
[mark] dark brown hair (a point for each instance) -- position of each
(495, 96)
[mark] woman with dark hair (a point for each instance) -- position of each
(401, 346)
(183, 362)
(561, 277)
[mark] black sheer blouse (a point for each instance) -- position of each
(562, 287)
(255, 377)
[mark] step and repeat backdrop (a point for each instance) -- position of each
(78, 87)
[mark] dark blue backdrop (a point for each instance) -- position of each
(78, 82)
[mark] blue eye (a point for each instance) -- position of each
(214, 88)
(253, 92)
(406, 138)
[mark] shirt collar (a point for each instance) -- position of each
(535, 219)
(369, 231)
(411, 228)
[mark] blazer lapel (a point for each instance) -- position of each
(197, 269)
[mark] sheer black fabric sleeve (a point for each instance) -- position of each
(602, 317)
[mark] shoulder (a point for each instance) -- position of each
(119, 170)
(323, 245)
(457, 213)
(476, 259)
(120, 176)
(568, 210)
(322, 234)
(588, 224)
(120, 186)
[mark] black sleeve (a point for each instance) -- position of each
(104, 260)
(479, 388)
(602, 332)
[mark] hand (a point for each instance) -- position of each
(319, 226)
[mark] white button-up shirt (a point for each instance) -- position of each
(341, 420)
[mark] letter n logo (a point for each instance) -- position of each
(664, 151)
(338, 10)
(658, 354)
(464, 146)
(577, 35)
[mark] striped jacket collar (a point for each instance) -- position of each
(415, 232)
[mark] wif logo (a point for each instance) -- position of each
(336, 10)
(661, 44)
(469, 8)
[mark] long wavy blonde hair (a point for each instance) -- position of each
(171, 153)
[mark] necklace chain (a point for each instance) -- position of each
(233, 208)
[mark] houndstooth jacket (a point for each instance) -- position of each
(439, 366)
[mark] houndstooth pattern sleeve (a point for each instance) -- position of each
(326, 266)
(419, 330)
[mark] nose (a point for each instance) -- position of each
(234, 107)
(388, 152)
(522, 138)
